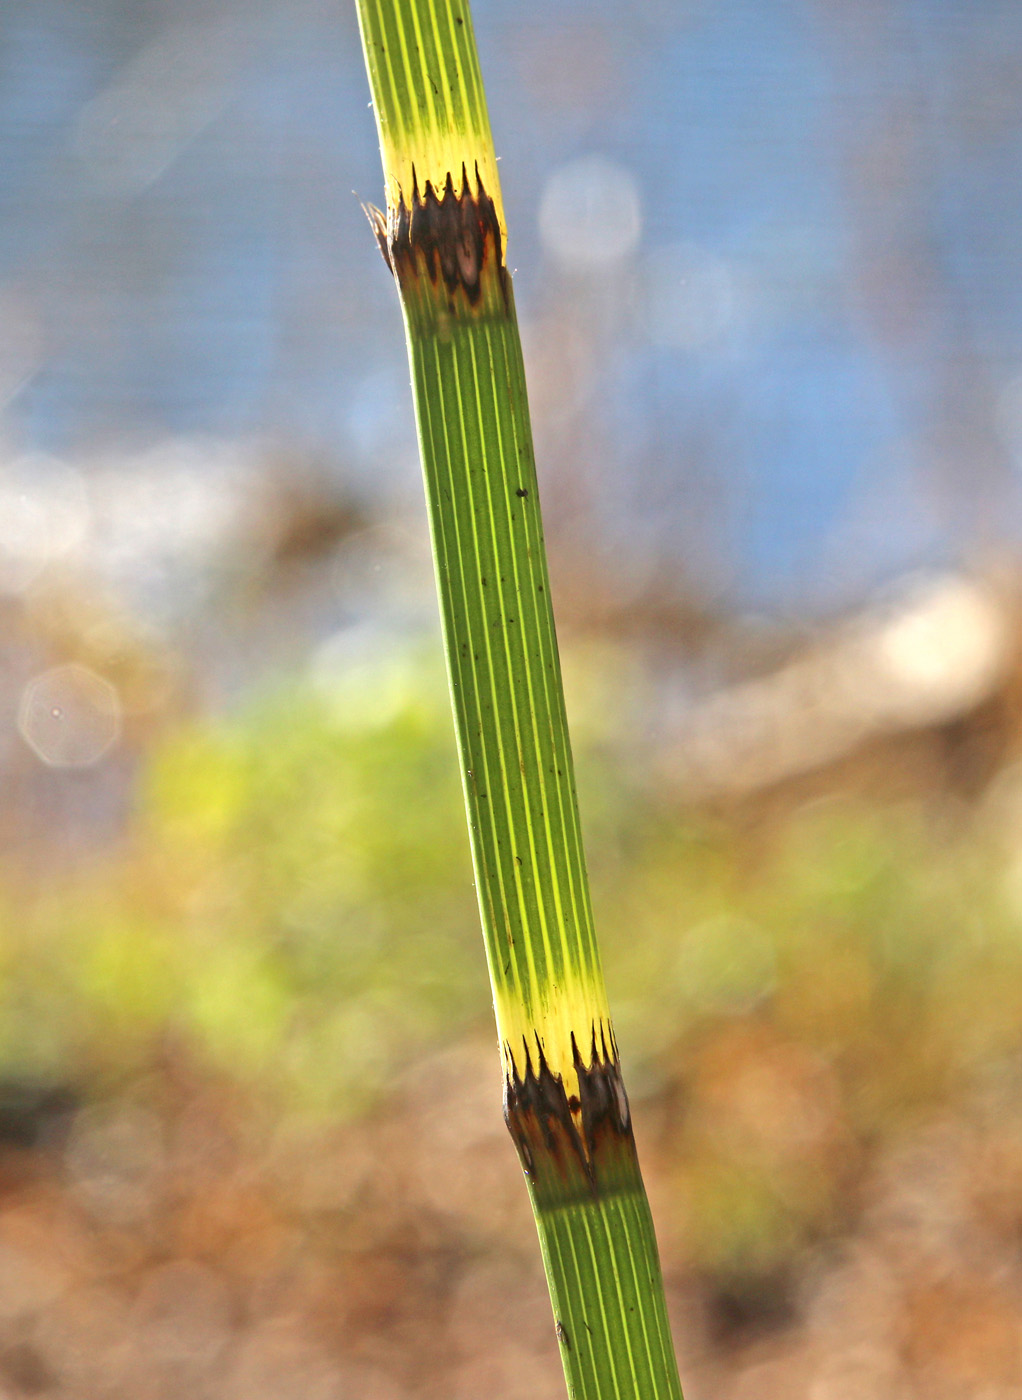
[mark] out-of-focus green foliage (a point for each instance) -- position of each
(293, 904)
(295, 900)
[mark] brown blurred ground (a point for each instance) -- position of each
(171, 1247)
(818, 969)
(833, 1152)
(235, 900)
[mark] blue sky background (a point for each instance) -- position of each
(182, 251)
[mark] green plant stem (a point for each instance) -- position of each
(564, 1099)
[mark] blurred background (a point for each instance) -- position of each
(766, 260)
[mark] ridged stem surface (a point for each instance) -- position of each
(565, 1104)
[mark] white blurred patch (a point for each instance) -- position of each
(933, 655)
(70, 716)
(44, 517)
(590, 215)
(166, 522)
(942, 655)
(181, 498)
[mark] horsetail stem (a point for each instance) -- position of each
(443, 237)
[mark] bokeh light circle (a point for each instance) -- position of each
(590, 215)
(70, 716)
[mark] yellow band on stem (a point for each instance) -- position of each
(430, 107)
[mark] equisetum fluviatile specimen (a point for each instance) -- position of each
(443, 237)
